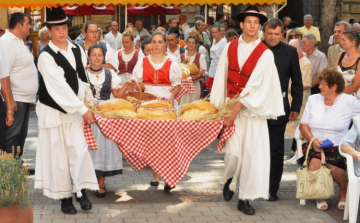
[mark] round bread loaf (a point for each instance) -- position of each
(156, 110)
(199, 105)
(185, 71)
(116, 105)
(194, 70)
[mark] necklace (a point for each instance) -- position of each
(160, 59)
(96, 70)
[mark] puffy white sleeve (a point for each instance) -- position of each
(111, 57)
(203, 64)
(140, 55)
(138, 71)
(219, 85)
(204, 52)
(57, 87)
(175, 74)
(115, 80)
(265, 98)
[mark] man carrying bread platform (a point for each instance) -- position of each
(63, 163)
(248, 70)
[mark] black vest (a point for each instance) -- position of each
(102, 44)
(70, 75)
(105, 88)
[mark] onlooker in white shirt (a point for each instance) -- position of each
(173, 47)
(23, 78)
(114, 38)
(184, 26)
(81, 37)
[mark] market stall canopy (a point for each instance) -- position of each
(88, 10)
(48, 3)
(153, 10)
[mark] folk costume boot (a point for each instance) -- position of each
(67, 206)
(245, 207)
(227, 193)
(84, 201)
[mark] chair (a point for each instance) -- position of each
(353, 190)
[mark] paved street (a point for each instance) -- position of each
(197, 198)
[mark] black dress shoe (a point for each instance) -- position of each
(154, 183)
(84, 201)
(31, 171)
(245, 207)
(167, 188)
(227, 193)
(273, 197)
(101, 195)
(67, 206)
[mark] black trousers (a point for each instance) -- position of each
(276, 134)
(17, 132)
(2, 124)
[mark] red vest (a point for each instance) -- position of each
(237, 78)
(155, 77)
(129, 66)
(196, 60)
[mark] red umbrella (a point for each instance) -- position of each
(88, 10)
(153, 10)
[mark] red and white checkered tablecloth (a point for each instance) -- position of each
(168, 146)
(187, 86)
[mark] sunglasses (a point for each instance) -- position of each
(294, 36)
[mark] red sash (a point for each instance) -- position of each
(237, 78)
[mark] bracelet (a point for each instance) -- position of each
(9, 111)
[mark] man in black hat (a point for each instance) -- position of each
(287, 64)
(63, 162)
(248, 70)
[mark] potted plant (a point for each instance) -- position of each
(74, 31)
(14, 201)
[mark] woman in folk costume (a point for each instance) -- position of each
(249, 70)
(63, 162)
(128, 56)
(199, 60)
(107, 160)
(160, 76)
(92, 37)
(215, 52)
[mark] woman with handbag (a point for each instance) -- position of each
(327, 116)
(157, 74)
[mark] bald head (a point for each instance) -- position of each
(161, 29)
(114, 27)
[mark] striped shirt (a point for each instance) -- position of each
(318, 62)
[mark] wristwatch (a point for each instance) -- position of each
(9, 111)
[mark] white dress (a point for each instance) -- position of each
(126, 58)
(247, 157)
(160, 91)
(215, 53)
(187, 98)
(108, 159)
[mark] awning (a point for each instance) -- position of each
(153, 10)
(48, 3)
(88, 10)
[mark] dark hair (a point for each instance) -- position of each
(226, 21)
(231, 33)
(331, 76)
(216, 27)
(107, 27)
(15, 18)
(192, 37)
(351, 20)
(211, 21)
(353, 35)
(285, 18)
(153, 26)
(273, 23)
(219, 16)
(145, 42)
(316, 20)
(160, 33)
(174, 30)
(95, 46)
(89, 23)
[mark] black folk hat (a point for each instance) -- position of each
(292, 25)
(56, 17)
(252, 10)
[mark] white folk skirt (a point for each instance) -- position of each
(63, 163)
(187, 98)
(247, 158)
(108, 159)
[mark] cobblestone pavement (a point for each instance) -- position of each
(197, 198)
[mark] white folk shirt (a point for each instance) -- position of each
(332, 123)
(114, 42)
(249, 146)
(175, 54)
(59, 89)
(21, 68)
